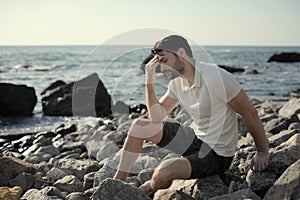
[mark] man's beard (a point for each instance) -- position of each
(176, 71)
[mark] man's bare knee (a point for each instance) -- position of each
(145, 129)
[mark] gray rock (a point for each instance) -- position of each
(24, 180)
(50, 149)
(107, 171)
(288, 185)
(294, 126)
(281, 137)
(11, 167)
(54, 174)
(290, 108)
(88, 180)
(189, 187)
(24, 141)
(95, 143)
(238, 195)
(38, 158)
(116, 136)
(77, 167)
(260, 182)
(77, 196)
(284, 155)
(108, 150)
(145, 175)
(115, 189)
(69, 184)
(276, 125)
(47, 193)
(211, 186)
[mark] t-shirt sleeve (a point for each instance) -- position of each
(171, 90)
(231, 85)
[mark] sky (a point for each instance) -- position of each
(92, 22)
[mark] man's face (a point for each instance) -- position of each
(170, 64)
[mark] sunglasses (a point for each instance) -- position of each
(156, 51)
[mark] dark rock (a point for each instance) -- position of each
(11, 167)
(16, 100)
(285, 57)
(138, 108)
(115, 189)
(53, 86)
(281, 137)
(25, 141)
(211, 186)
(88, 180)
(77, 196)
(86, 97)
(145, 175)
(24, 180)
(287, 186)
(232, 69)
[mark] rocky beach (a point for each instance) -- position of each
(78, 161)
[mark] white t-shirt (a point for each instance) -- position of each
(214, 121)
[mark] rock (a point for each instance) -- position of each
(24, 180)
(10, 96)
(211, 186)
(25, 141)
(88, 180)
(138, 108)
(238, 195)
(281, 137)
(108, 150)
(145, 175)
(46, 193)
(116, 136)
(86, 97)
(189, 187)
(285, 57)
(284, 155)
(7, 193)
(287, 186)
(11, 167)
(54, 174)
(115, 189)
(294, 126)
(77, 196)
(260, 182)
(94, 143)
(290, 108)
(107, 171)
(38, 157)
(120, 107)
(77, 167)
(69, 184)
(52, 86)
(232, 69)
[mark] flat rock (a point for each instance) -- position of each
(108, 150)
(54, 174)
(285, 57)
(115, 189)
(69, 184)
(77, 167)
(290, 108)
(24, 180)
(77, 196)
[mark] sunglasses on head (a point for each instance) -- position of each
(156, 51)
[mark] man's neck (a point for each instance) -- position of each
(189, 71)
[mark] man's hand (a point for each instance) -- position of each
(150, 69)
(260, 161)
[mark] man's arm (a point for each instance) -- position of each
(158, 109)
(241, 104)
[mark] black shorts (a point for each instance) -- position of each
(204, 160)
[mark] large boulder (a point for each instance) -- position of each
(288, 185)
(115, 189)
(86, 97)
(11, 167)
(285, 57)
(16, 100)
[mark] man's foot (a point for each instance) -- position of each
(146, 188)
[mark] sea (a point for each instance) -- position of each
(119, 68)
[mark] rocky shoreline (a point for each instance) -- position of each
(67, 162)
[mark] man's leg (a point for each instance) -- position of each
(166, 172)
(140, 130)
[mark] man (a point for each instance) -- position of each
(212, 97)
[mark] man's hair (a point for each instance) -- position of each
(172, 43)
